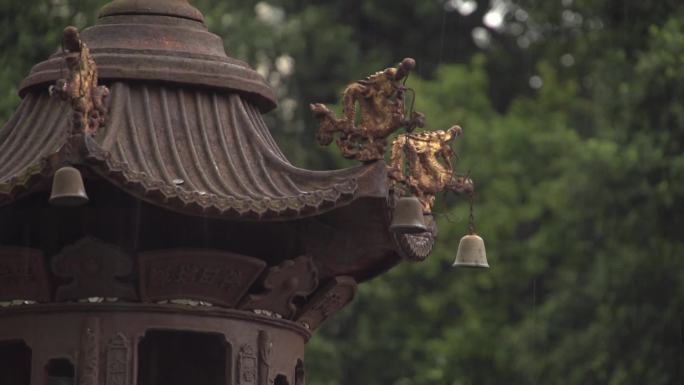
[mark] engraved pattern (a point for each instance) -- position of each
(23, 275)
(247, 362)
(217, 277)
(118, 360)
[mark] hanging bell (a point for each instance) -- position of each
(471, 252)
(67, 188)
(408, 217)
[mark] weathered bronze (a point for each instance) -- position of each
(380, 98)
(471, 252)
(219, 278)
(68, 188)
(94, 269)
(327, 301)
(429, 168)
(407, 217)
(80, 87)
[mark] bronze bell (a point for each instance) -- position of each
(471, 252)
(408, 217)
(67, 188)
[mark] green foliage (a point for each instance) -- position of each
(580, 182)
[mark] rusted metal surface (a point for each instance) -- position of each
(159, 41)
(417, 247)
(94, 269)
(217, 277)
(33, 135)
(327, 301)
(80, 88)
(177, 8)
(198, 152)
(283, 284)
(210, 151)
(429, 165)
(59, 330)
(382, 113)
(23, 275)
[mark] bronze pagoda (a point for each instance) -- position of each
(152, 232)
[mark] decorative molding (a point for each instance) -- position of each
(213, 204)
(293, 278)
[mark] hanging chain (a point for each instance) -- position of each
(407, 184)
(471, 218)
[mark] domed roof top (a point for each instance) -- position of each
(176, 8)
(163, 41)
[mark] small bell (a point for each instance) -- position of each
(67, 188)
(408, 217)
(471, 249)
(471, 252)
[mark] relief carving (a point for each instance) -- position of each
(247, 366)
(291, 279)
(328, 301)
(80, 88)
(118, 361)
(217, 277)
(94, 268)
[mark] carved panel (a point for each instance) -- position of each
(217, 277)
(89, 353)
(328, 301)
(247, 366)
(118, 361)
(93, 268)
(23, 275)
(417, 247)
(293, 278)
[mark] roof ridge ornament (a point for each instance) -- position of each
(382, 112)
(80, 88)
